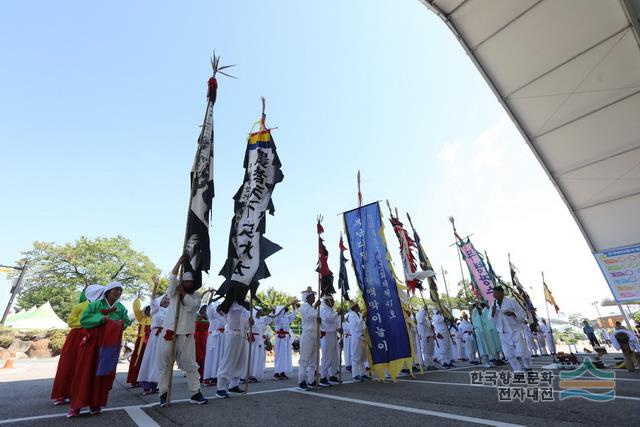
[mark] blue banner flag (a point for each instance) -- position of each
(388, 335)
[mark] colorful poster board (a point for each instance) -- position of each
(621, 268)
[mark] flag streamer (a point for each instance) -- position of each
(325, 276)
(386, 325)
(248, 247)
(343, 280)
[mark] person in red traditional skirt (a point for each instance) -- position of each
(200, 336)
(143, 316)
(104, 321)
(61, 390)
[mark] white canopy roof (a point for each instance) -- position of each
(568, 74)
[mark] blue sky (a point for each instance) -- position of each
(101, 104)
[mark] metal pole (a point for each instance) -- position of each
(446, 289)
(14, 291)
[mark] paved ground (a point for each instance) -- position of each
(442, 397)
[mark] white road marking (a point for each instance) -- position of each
(411, 410)
(140, 417)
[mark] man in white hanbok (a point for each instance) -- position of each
(358, 329)
(427, 338)
(282, 319)
(443, 335)
(465, 329)
(308, 362)
(215, 343)
(233, 363)
(329, 328)
(258, 354)
(507, 315)
(148, 376)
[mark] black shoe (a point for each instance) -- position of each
(236, 390)
(303, 386)
(432, 368)
(474, 362)
(314, 384)
(221, 394)
(324, 382)
(198, 399)
(365, 377)
(500, 363)
(163, 400)
(334, 380)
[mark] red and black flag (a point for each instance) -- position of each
(248, 248)
(325, 276)
(343, 280)
(197, 244)
(407, 247)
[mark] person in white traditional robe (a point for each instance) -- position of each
(258, 353)
(148, 375)
(215, 343)
(346, 342)
(329, 328)
(528, 336)
(282, 346)
(182, 297)
(233, 363)
(466, 331)
(427, 338)
(460, 348)
(443, 336)
(308, 361)
(507, 315)
(358, 328)
(540, 339)
(548, 338)
(626, 341)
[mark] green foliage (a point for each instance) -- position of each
(57, 273)
(56, 338)
(6, 336)
(272, 298)
(636, 316)
(569, 336)
(576, 319)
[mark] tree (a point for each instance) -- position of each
(57, 273)
(272, 298)
(576, 319)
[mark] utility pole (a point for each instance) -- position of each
(14, 290)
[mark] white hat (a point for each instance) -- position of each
(94, 292)
(112, 285)
(307, 292)
(327, 297)
(187, 275)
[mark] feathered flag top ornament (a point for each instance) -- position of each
(343, 279)
(248, 247)
(197, 243)
(325, 276)
(425, 265)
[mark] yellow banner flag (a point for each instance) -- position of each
(549, 297)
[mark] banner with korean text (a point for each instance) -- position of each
(386, 325)
(621, 268)
(482, 283)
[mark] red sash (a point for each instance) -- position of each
(282, 333)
